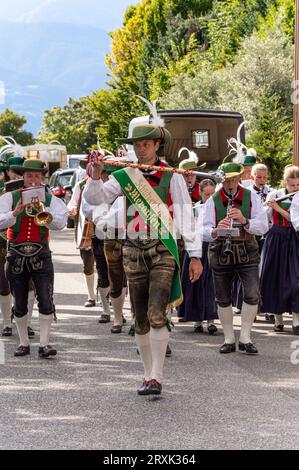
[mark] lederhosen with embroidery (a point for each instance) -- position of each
(143, 256)
(94, 254)
(244, 259)
(29, 260)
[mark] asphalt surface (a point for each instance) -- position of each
(86, 398)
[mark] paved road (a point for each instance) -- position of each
(86, 397)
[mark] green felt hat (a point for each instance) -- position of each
(148, 132)
(231, 169)
(249, 160)
(3, 166)
(30, 165)
(190, 165)
(3, 162)
(12, 161)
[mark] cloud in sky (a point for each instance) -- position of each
(2, 92)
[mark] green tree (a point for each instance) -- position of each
(272, 136)
(113, 111)
(258, 83)
(73, 125)
(11, 124)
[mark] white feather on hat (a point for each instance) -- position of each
(157, 121)
(192, 155)
(11, 147)
(236, 146)
(251, 152)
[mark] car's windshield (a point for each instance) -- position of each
(64, 179)
(78, 175)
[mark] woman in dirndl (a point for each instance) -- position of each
(279, 279)
(199, 297)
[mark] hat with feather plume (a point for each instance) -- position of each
(190, 163)
(155, 130)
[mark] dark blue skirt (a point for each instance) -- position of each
(279, 279)
(199, 297)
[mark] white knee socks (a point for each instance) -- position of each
(5, 306)
(159, 338)
(295, 319)
(45, 327)
(104, 291)
(22, 324)
(144, 348)
(89, 279)
(117, 305)
(226, 317)
(248, 314)
(278, 320)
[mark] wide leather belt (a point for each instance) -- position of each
(27, 249)
(143, 243)
(242, 238)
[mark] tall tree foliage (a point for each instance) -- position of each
(229, 54)
(72, 125)
(11, 124)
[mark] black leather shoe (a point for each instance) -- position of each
(30, 331)
(198, 329)
(296, 330)
(116, 329)
(7, 331)
(168, 351)
(124, 320)
(90, 303)
(22, 351)
(131, 331)
(270, 318)
(143, 390)
(154, 388)
(227, 348)
(212, 329)
(104, 318)
(279, 328)
(249, 348)
(46, 351)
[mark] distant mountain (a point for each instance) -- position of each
(42, 65)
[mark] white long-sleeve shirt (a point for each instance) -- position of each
(57, 209)
(275, 194)
(96, 192)
(74, 202)
(258, 222)
(294, 212)
(109, 220)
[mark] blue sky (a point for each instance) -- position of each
(102, 12)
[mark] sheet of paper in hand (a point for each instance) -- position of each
(32, 193)
(13, 184)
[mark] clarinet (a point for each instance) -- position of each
(228, 243)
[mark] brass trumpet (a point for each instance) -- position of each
(36, 209)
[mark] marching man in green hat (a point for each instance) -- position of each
(5, 297)
(29, 256)
(156, 202)
(248, 161)
(232, 217)
(191, 163)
